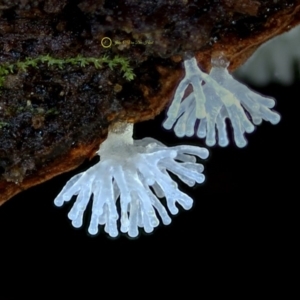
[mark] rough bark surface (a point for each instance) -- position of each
(52, 119)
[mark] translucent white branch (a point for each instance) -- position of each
(214, 98)
(129, 180)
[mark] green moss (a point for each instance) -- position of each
(2, 124)
(117, 61)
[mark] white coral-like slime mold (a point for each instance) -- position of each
(128, 181)
(214, 98)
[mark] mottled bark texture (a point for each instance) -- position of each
(52, 119)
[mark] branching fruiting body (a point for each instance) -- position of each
(129, 181)
(214, 98)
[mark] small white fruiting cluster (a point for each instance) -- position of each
(128, 182)
(214, 98)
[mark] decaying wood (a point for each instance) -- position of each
(58, 118)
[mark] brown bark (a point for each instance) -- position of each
(76, 105)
